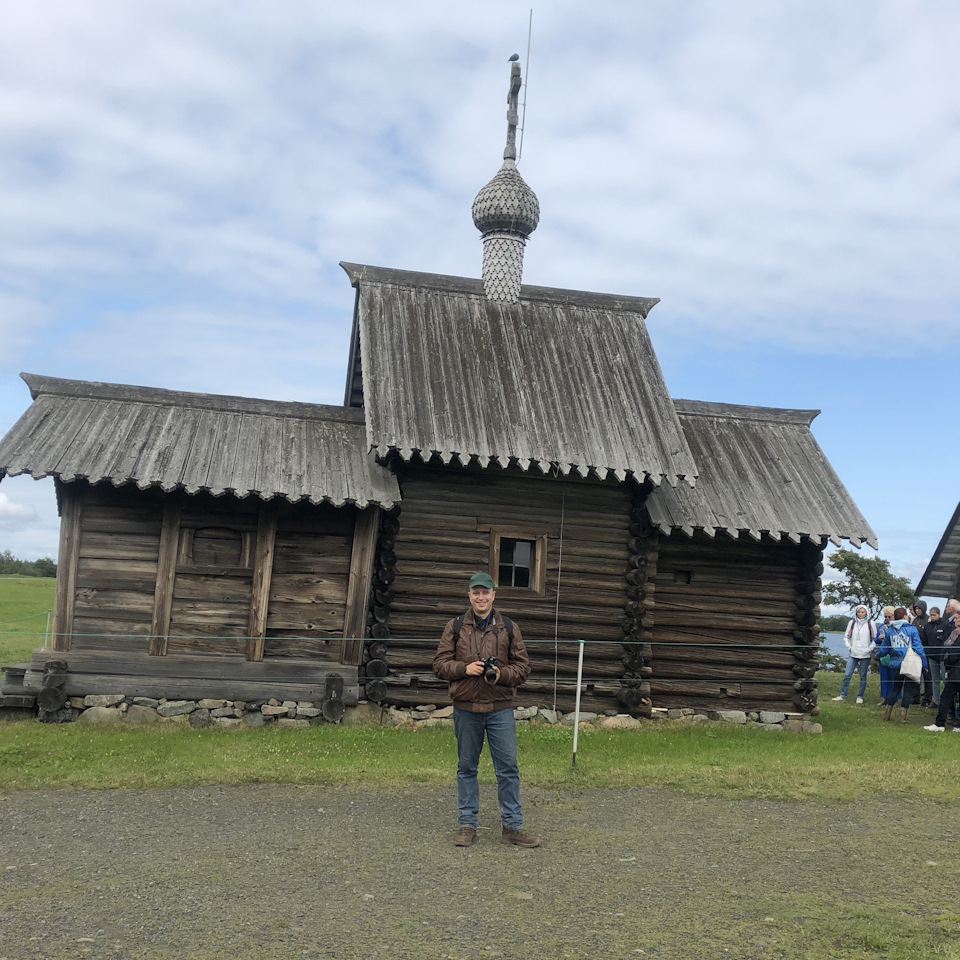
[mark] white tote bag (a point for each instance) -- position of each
(912, 666)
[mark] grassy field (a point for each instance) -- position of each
(856, 757)
(24, 604)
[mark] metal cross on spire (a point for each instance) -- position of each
(513, 116)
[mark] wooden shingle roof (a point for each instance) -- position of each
(562, 380)
(195, 442)
(942, 576)
(761, 471)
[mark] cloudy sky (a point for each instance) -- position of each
(179, 180)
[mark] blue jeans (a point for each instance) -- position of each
(855, 663)
(501, 731)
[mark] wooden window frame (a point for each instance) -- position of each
(538, 568)
(185, 562)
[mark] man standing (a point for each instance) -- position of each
(482, 657)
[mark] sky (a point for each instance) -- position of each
(179, 181)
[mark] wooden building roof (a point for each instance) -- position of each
(195, 442)
(760, 471)
(562, 380)
(942, 576)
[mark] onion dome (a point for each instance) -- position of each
(507, 203)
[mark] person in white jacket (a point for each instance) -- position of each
(860, 640)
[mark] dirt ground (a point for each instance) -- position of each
(327, 872)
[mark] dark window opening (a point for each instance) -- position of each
(682, 576)
(516, 562)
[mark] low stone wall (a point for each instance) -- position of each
(116, 708)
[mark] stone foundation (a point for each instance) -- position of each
(116, 708)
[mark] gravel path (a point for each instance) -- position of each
(326, 872)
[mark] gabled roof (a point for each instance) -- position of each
(942, 576)
(195, 442)
(562, 380)
(761, 471)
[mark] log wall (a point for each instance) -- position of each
(113, 605)
(308, 591)
(118, 546)
(734, 622)
(429, 550)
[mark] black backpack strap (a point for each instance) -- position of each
(457, 627)
(508, 623)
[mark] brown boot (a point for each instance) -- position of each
(888, 711)
(519, 838)
(903, 715)
(465, 837)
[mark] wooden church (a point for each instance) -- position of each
(229, 547)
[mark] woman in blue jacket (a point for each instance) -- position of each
(896, 638)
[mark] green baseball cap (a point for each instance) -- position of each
(482, 580)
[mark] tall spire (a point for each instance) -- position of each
(506, 211)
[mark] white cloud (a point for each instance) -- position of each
(15, 516)
(178, 181)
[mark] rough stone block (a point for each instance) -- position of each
(201, 717)
(584, 718)
(212, 704)
(101, 715)
(620, 722)
(138, 714)
(289, 722)
(176, 708)
(523, 713)
(732, 716)
(772, 716)
(103, 699)
(364, 712)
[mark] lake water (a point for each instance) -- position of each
(835, 643)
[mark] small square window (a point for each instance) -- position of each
(518, 557)
(516, 562)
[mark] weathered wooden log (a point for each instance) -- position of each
(379, 631)
(51, 699)
(375, 690)
(376, 668)
(376, 650)
(332, 710)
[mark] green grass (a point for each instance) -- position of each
(857, 756)
(24, 604)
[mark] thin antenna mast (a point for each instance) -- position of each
(526, 81)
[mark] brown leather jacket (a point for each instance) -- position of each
(474, 693)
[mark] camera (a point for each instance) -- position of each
(490, 669)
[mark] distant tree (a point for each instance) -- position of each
(9, 564)
(45, 567)
(834, 624)
(867, 581)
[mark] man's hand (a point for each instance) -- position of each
(475, 669)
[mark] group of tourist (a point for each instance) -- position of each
(918, 655)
